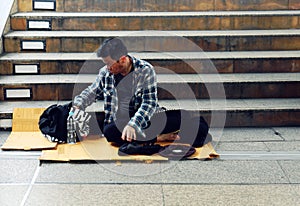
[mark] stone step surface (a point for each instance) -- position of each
(164, 62)
(84, 41)
(170, 5)
(171, 86)
(210, 20)
(238, 112)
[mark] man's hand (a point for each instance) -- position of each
(79, 115)
(128, 133)
(81, 119)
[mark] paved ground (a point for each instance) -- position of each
(257, 167)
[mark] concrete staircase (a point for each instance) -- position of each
(250, 51)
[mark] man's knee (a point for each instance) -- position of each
(195, 132)
(112, 134)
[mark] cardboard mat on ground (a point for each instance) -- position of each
(25, 133)
(96, 148)
(100, 150)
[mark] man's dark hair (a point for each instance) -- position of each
(112, 47)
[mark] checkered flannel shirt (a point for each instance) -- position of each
(144, 88)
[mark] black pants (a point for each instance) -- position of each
(192, 130)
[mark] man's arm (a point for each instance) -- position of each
(149, 103)
(88, 95)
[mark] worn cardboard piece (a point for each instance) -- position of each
(206, 152)
(99, 149)
(25, 133)
(27, 141)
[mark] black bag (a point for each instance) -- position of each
(53, 122)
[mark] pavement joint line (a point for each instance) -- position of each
(20, 158)
(224, 155)
(28, 155)
(163, 194)
(161, 183)
(13, 184)
(20, 153)
(284, 172)
(255, 141)
(247, 153)
(36, 173)
(260, 156)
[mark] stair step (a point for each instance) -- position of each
(62, 87)
(210, 20)
(170, 5)
(238, 113)
(203, 104)
(84, 41)
(179, 62)
(190, 78)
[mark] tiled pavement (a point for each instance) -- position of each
(258, 166)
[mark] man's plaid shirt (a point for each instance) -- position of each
(144, 88)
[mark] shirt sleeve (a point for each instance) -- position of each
(148, 106)
(88, 95)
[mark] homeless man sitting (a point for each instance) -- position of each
(129, 89)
